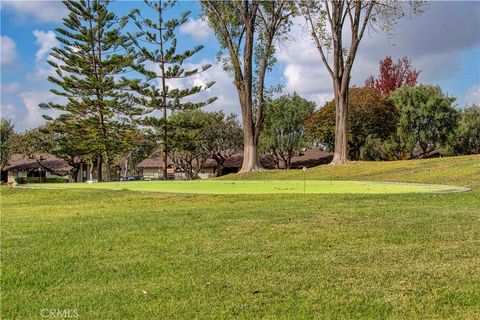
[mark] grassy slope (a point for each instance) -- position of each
(121, 254)
(464, 171)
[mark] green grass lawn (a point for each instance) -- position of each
(260, 186)
(118, 254)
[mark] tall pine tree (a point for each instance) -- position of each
(156, 45)
(89, 66)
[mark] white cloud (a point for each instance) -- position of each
(24, 111)
(46, 41)
(32, 114)
(8, 50)
(9, 111)
(10, 88)
(40, 11)
(303, 70)
(223, 89)
(33, 117)
(197, 28)
(473, 95)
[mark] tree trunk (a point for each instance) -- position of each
(107, 166)
(288, 162)
(99, 168)
(125, 174)
(341, 129)
(74, 174)
(250, 159)
(251, 162)
(220, 165)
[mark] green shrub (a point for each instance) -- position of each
(56, 180)
(466, 138)
(20, 180)
(24, 180)
(377, 149)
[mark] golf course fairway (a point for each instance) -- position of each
(261, 187)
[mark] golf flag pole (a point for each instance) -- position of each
(304, 181)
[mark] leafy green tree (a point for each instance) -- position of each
(247, 31)
(187, 141)
(32, 142)
(156, 44)
(89, 64)
(69, 140)
(283, 133)
(320, 127)
(6, 134)
(137, 145)
(197, 135)
(370, 114)
(376, 148)
(222, 137)
(73, 140)
(466, 138)
(426, 117)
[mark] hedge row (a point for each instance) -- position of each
(24, 180)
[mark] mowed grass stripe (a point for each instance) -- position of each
(262, 187)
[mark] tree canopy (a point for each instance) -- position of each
(426, 117)
(393, 75)
(6, 133)
(370, 114)
(283, 135)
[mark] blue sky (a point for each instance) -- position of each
(444, 42)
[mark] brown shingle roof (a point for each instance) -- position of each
(48, 161)
(310, 158)
(307, 158)
(155, 160)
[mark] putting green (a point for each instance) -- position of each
(261, 187)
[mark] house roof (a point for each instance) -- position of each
(307, 158)
(310, 158)
(155, 160)
(48, 161)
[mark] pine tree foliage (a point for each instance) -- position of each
(159, 61)
(89, 67)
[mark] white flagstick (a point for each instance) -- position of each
(304, 173)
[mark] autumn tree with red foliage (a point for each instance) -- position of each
(393, 75)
